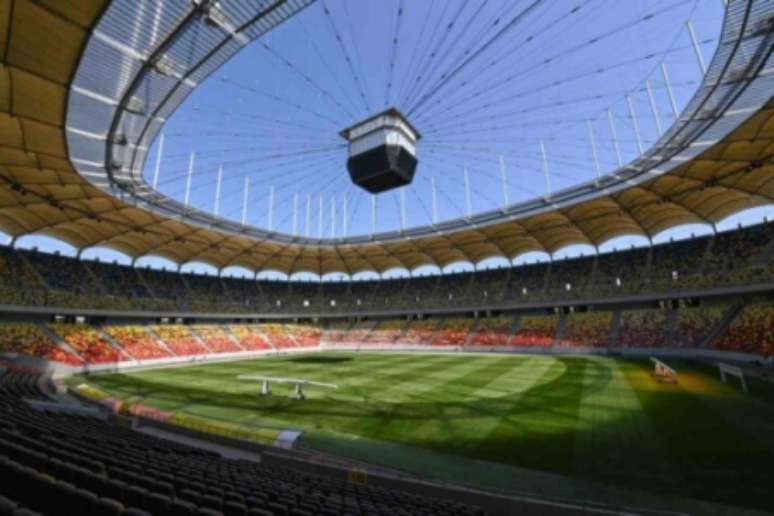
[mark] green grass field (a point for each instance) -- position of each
(504, 422)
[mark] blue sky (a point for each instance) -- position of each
(273, 112)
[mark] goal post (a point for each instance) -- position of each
(662, 372)
(727, 370)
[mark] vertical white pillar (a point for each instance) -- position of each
(308, 226)
(270, 214)
(333, 216)
(434, 200)
(403, 208)
(345, 229)
(468, 207)
(653, 108)
(696, 47)
(188, 179)
(158, 161)
(546, 171)
(635, 124)
(216, 208)
(373, 214)
(504, 180)
(295, 213)
(245, 197)
(593, 144)
(614, 138)
(320, 220)
(668, 84)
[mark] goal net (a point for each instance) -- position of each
(727, 370)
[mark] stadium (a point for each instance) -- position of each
(342, 257)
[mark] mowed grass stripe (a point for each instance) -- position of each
(374, 384)
(224, 377)
(349, 406)
(381, 397)
(427, 399)
(703, 447)
(466, 417)
(214, 390)
(539, 431)
(613, 429)
(591, 418)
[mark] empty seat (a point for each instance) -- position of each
(132, 511)
(181, 508)
(6, 506)
(107, 507)
(234, 509)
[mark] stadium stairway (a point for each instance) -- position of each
(59, 341)
(160, 340)
(110, 340)
(722, 326)
(471, 332)
(615, 328)
(202, 342)
(559, 331)
(232, 337)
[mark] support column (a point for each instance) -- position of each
(295, 213)
(668, 84)
(504, 180)
(468, 208)
(434, 199)
(614, 138)
(345, 229)
(653, 109)
(546, 172)
(403, 208)
(216, 208)
(373, 215)
(333, 216)
(308, 226)
(696, 47)
(635, 124)
(593, 144)
(159, 151)
(320, 221)
(245, 196)
(187, 197)
(270, 215)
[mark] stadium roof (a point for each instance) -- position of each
(714, 161)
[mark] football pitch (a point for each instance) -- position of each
(591, 427)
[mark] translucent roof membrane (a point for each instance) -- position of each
(515, 101)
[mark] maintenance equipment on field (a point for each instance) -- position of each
(662, 372)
